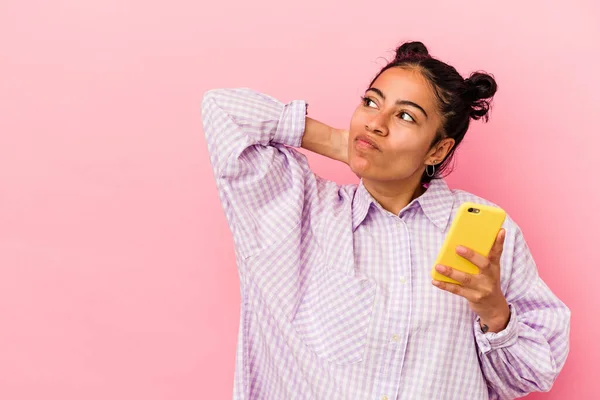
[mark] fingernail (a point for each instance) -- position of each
(461, 250)
(436, 283)
(440, 268)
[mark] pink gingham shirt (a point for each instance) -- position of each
(337, 300)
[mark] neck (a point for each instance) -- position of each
(394, 195)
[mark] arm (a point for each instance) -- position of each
(530, 352)
(262, 182)
(528, 338)
(325, 140)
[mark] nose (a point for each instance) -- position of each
(377, 125)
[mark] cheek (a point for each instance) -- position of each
(357, 123)
(410, 142)
(406, 140)
(407, 151)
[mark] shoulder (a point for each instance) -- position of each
(462, 196)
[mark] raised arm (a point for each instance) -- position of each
(265, 185)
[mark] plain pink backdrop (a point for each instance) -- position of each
(117, 274)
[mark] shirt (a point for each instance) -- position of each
(336, 293)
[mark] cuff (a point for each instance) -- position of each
(496, 340)
(291, 124)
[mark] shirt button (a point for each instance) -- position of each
(402, 280)
(395, 338)
(384, 398)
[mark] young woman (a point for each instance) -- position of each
(337, 296)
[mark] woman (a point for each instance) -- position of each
(337, 296)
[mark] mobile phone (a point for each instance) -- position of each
(476, 227)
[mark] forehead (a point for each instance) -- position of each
(406, 84)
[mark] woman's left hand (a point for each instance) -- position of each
(482, 290)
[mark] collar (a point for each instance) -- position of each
(436, 203)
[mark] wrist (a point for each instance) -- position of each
(339, 144)
(495, 323)
(325, 140)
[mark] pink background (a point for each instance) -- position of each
(117, 275)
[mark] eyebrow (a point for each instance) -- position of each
(399, 102)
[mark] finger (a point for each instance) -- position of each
(465, 279)
(498, 247)
(469, 294)
(479, 260)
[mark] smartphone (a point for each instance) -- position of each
(476, 227)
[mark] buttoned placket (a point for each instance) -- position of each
(387, 387)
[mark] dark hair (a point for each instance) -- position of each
(459, 100)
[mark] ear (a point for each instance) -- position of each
(439, 151)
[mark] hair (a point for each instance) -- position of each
(459, 100)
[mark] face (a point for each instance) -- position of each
(393, 129)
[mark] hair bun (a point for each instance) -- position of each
(481, 85)
(480, 88)
(411, 48)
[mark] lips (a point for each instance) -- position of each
(366, 139)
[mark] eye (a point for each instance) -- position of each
(367, 102)
(406, 116)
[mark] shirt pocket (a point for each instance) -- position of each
(333, 314)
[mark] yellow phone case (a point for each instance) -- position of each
(475, 226)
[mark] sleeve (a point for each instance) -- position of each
(530, 352)
(261, 181)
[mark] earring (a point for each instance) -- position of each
(432, 173)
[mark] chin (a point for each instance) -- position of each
(359, 166)
(365, 170)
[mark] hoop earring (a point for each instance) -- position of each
(432, 173)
